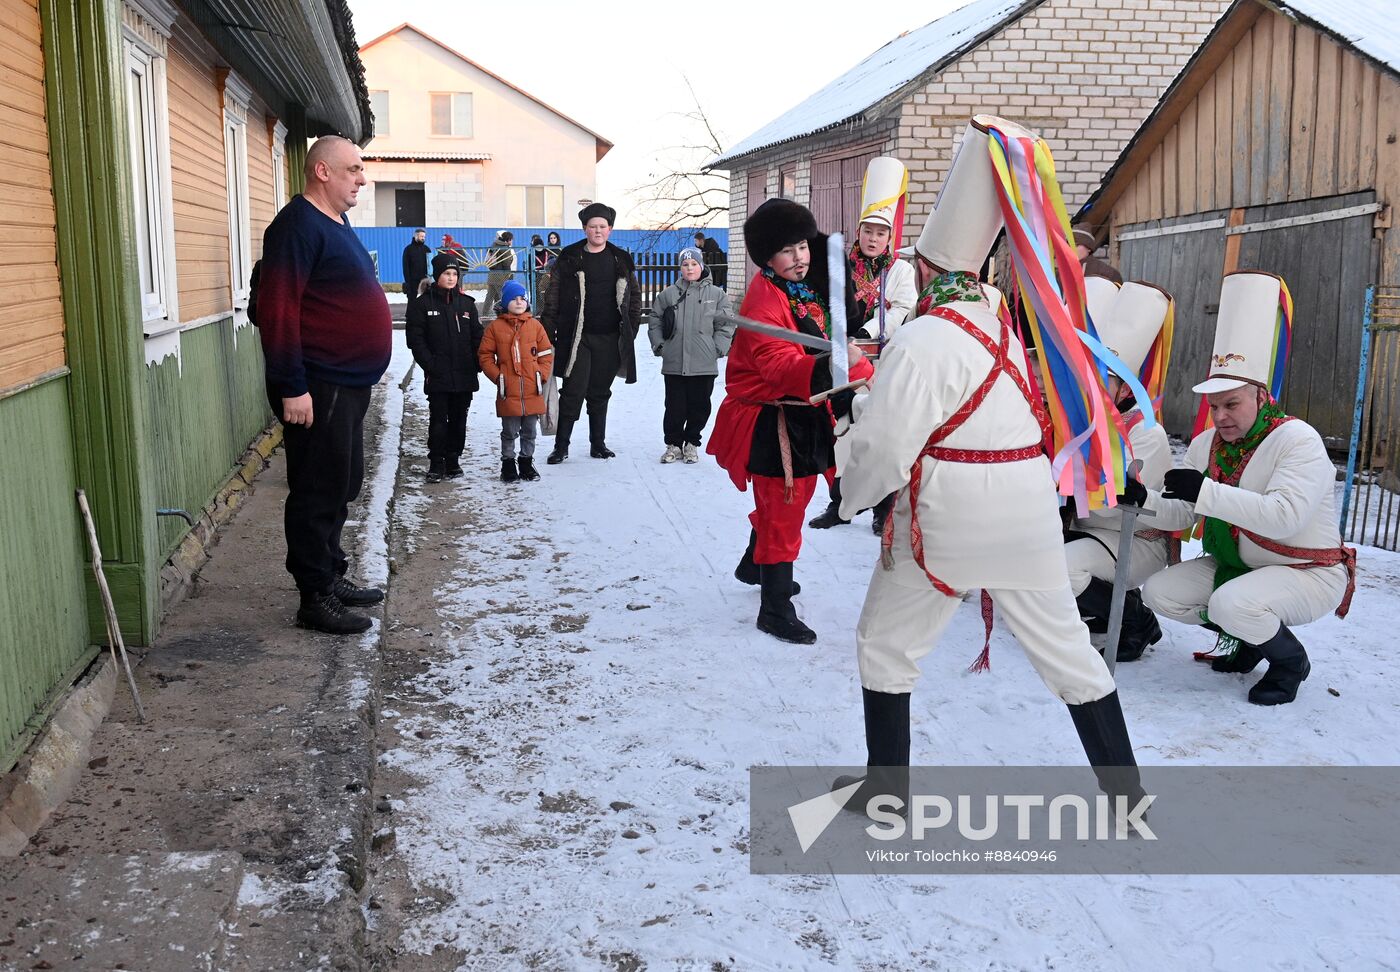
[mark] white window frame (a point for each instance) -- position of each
(454, 95)
(237, 97)
(522, 193)
(279, 167)
(148, 137)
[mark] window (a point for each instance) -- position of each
(535, 205)
(379, 104)
(451, 114)
(236, 98)
(149, 146)
(787, 181)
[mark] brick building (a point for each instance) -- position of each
(1083, 73)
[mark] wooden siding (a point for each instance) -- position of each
(198, 184)
(261, 205)
(43, 615)
(1287, 115)
(31, 318)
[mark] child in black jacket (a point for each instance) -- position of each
(444, 334)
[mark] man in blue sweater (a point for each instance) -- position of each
(327, 336)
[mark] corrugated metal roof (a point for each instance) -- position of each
(883, 73)
(372, 156)
(1371, 26)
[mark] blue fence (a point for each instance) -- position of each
(649, 246)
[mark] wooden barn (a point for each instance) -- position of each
(1275, 149)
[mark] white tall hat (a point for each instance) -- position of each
(886, 181)
(1100, 293)
(1130, 326)
(967, 217)
(1246, 332)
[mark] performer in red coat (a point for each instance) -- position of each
(767, 431)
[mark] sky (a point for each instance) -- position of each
(621, 68)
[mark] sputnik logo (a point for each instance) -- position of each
(810, 818)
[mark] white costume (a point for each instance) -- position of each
(986, 524)
(900, 297)
(882, 204)
(1129, 320)
(1284, 496)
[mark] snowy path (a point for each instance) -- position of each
(596, 692)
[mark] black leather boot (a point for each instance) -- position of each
(598, 433)
(1288, 666)
(563, 428)
(887, 750)
(352, 596)
(1094, 602)
(1244, 659)
(324, 612)
(1105, 738)
(747, 571)
(528, 472)
(509, 472)
(831, 516)
(1140, 628)
(881, 513)
(437, 468)
(776, 615)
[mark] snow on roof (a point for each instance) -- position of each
(1368, 25)
(886, 71)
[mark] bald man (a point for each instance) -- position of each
(326, 336)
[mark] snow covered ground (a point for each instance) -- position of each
(584, 803)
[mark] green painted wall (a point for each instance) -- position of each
(204, 410)
(43, 618)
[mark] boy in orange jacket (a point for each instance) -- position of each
(516, 355)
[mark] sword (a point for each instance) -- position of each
(836, 274)
(769, 330)
(1120, 572)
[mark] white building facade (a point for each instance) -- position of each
(456, 145)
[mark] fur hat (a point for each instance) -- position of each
(594, 210)
(512, 290)
(776, 224)
(444, 261)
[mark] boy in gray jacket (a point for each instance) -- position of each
(689, 342)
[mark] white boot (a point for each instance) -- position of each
(672, 454)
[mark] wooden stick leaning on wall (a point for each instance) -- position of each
(109, 611)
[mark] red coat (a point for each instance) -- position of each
(761, 369)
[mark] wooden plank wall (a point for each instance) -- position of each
(198, 184)
(260, 203)
(1288, 115)
(31, 320)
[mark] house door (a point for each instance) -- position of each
(836, 184)
(410, 207)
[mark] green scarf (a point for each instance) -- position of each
(1227, 462)
(948, 288)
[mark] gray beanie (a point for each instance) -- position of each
(691, 253)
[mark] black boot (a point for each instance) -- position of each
(747, 571)
(528, 472)
(887, 749)
(1288, 666)
(1095, 601)
(598, 432)
(1105, 737)
(563, 428)
(831, 516)
(324, 612)
(1140, 628)
(437, 468)
(1243, 660)
(454, 469)
(352, 596)
(776, 615)
(509, 474)
(880, 514)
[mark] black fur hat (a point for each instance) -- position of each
(776, 224)
(593, 210)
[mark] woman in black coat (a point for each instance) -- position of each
(444, 333)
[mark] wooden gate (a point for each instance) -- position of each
(1371, 497)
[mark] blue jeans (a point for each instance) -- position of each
(522, 427)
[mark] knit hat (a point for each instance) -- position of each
(512, 290)
(444, 261)
(775, 224)
(594, 210)
(691, 253)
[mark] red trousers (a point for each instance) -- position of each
(777, 521)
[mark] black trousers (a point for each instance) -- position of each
(687, 408)
(595, 366)
(447, 425)
(325, 467)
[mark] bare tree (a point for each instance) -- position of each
(680, 192)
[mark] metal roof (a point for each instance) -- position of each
(427, 156)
